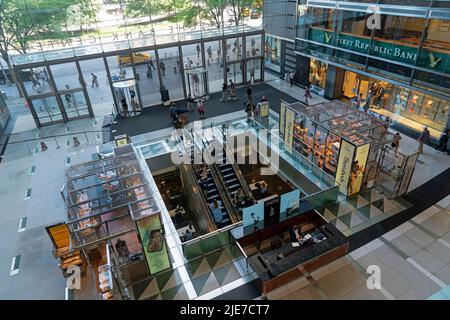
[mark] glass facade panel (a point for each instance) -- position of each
(235, 72)
(97, 86)
(120, 66)
(169, 63)
(253, 70)
(47, 110)
(65, 76)
(39, 81)
(253, 46)
(272, 53)
(148, 80)
(75, 104)
(213, 57)
(234, 49)
(192, 55)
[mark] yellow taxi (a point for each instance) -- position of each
(138, 57)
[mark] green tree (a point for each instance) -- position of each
(22, 21)
(192, 12)
(145, 8)
(237, 8)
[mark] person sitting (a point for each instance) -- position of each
(263, 190)
(294, 234)
(239, 197)
(188, 235)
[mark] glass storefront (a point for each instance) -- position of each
(404, 48)
(272, 53)
(317, 73)
(73, 88)
(411, 108)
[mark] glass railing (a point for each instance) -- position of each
(159, 38)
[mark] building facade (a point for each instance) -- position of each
(279, 28)
(391, 57)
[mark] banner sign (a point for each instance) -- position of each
(391, 51)
(344, 167)
(253, 215)
(290, 202)
(358, 168)
(407, 174)
(282, 119)
(289, 129)
(154, 243)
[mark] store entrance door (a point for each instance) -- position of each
(350, 85)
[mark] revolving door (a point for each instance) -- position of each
(128, 103)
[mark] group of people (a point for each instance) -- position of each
(241, 200)
(228, 91)
(38, 78)
(424, 137)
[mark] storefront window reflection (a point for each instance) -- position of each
(411, 108)
(318, 73)
(272, 53)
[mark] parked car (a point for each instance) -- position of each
(255, 14)
(138, 57)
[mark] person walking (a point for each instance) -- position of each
(163, 68)
(249, 111)
(201, 108)
(94, 81)
(249, 95)
(443, 140)
(423, 138)
(190, 103)
(291, 78)
(307, 94)
(232, 91)
(396, 142)
(224, 92)
(252, 75)
(216, 210)
(151, 65)
(198, 50)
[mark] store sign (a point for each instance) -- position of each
(289, 129)
(154, 243)
(390, 51)
(358, 168)
(263, 109)
(344, 167)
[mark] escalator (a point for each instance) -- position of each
(212, 193)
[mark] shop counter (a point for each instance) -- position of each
(280, 266)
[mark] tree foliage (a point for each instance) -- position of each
(22, 21)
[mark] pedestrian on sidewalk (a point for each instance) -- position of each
(249, 111)
(190, 103)
(252, 75)
(291, 78)
(94, 81)
(249, 95)
(443, 140)
(396, 142)
(308, 94)
(224, 92)
(232, 91)
(423, 138)
(201, 108)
